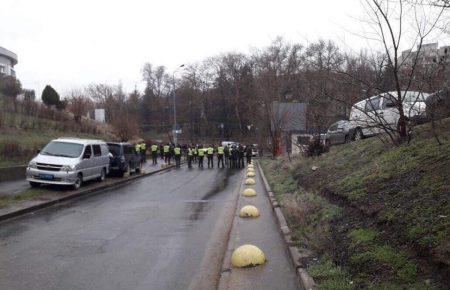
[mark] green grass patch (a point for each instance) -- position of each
(388, 258)
(27, 194)
(330, 276)
(400, 196)
(363, 236)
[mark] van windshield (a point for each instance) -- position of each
(62, 149)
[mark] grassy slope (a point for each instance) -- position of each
(31, 140)
(375, 216)
(23, 134)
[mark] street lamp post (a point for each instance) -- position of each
(175, 107)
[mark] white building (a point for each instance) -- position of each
(429, 54)
(8, 60)
(100, 115)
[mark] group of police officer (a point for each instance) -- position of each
(141, 149)
(231, 156)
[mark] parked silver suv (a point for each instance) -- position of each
(69, 161)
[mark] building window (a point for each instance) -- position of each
(13, 72)
(2, 69)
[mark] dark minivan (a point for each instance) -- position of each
(124, 158)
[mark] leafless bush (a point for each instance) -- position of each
(297, 209)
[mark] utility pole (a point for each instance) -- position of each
(174, 131)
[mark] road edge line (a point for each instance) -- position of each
(81, 193)
(305, 280)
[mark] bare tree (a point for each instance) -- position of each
(388, 21)
(78, 104)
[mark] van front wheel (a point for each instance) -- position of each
(102, 175)
(78, 182)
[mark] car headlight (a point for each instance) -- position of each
(32, 164)
(68, 168)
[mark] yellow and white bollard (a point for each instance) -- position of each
(249, 211)
(247, 256)
(250, 181)
(250, 174)
(249, 192)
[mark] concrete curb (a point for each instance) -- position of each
(79, 193)
(306, 281)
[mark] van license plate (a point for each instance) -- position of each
(46, 176)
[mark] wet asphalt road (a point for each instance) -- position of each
(150, 234)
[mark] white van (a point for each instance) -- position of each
(368, 115)
(229, 143)
(69, 161)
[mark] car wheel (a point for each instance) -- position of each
(102, 176)
(78, 182)
(34, 184)
(358, 134)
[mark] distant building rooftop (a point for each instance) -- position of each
(9, 54)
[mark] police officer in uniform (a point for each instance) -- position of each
(137, 148)
(201, 154)
(210, 155)
(226, 151)
(220, 154)
(248, 154)
(154, 149)
(144, 152)
(166, 150)
(161, 151)
(195, 152)
(190, 156)
(234, 156)
(241, 156)
(177, 153)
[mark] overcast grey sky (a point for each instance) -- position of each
(72, 43)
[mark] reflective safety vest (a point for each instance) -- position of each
(143, 146)
(154, 148)
(220, 150)
(177, 150)
(190, 151)
(166, 148)
(195, 151)
(201, 152)
(210, 151)
(137, 147)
